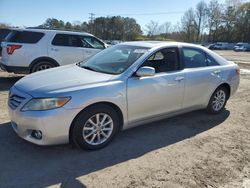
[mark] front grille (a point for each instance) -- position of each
(15, 101)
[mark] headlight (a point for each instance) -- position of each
(45, 103)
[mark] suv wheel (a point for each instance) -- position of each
(42, 65)
(95, 127)
(218, 100)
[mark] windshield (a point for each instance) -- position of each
(114, 60)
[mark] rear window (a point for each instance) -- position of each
(24, 37)
(3, 34)
(194, 58)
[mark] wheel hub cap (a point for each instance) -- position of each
(97, 129)
(219, 100)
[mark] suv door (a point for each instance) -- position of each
(91, 46)
(66, 49)
(159, 94)
(203, 74)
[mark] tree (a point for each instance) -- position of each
(165, 29)
(152, 28)
(53, 23)
(214, 20)
(200, 20)
(228, 24)
(4, 25)
(188, 25)
(116, 28)
(68, 25)
(242, 24)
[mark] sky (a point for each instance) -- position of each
(34, 12)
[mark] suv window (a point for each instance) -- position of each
(4, 33)
(24, 37)
(67, 40)
(194, 58)
(91, 42)
(164, 60)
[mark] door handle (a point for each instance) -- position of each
(179, 78)
(54, 49)
(217, 72)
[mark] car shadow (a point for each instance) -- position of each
(27, 165)
(7, 82)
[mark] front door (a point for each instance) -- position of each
(91, 46)
(159, 94)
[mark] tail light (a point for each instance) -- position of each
(12, 47)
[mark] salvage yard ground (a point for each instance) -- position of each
(190, 150)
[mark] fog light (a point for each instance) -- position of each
(37, 134)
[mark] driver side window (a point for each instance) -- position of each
(164, 60)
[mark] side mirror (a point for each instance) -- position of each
(145, 71)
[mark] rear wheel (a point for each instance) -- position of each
(42, 65)
(95, 127)
(218, 100)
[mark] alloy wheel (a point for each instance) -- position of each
(43, 67)
(219, 100)
(98, 128)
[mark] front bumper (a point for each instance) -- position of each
(54, 124)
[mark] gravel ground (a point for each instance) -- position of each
(234, 56)
(190, 150)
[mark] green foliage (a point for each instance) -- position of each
(109, 28)
(115, 28)
(3, 25)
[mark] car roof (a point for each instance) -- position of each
(159, 44)
(152, 44)
(44, 30)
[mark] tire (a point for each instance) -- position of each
(90, 135)
(218, 100)
(42, 65)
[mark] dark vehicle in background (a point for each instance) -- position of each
(242, 47)
(3, 33)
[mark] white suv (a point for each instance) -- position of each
(31, 50)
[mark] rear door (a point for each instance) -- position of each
(203, 74)
(66, 49)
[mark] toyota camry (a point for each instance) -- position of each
(126, 85)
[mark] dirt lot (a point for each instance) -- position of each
(191, 150)
(234, 56)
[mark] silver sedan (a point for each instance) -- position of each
(123, 86)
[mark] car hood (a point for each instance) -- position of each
(61, 78)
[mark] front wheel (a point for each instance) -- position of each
(218, 100)
(95, 127)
